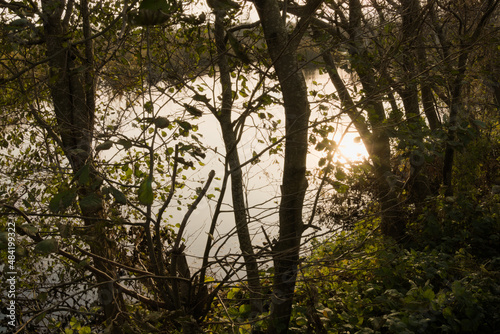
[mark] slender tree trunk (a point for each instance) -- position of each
(456, 105)
(413, 60)
(296, 105)
(232, 156)
(392, 223)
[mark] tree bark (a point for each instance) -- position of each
(230, 142)
(392, 223)
(72, 93)
(294, 184)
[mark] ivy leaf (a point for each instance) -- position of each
(146, 191)
(47, 246)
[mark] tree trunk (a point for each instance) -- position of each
(413, 61)
(72, 95)
(392, 222)
(296, 105)
(233, 160)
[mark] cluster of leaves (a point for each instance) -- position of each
(360, 283)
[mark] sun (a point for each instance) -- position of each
(350, 148)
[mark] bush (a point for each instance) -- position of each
(381, 288)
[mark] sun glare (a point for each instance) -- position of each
(350, 149)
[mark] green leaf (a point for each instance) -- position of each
(85, 330)
(47, 246)
(245, 308)
(148, 107)
(83, 175)
(146, 191)
(480, 124)
(30, 230)
(162, 5)
(83, 264)
(125, 143)
(65, 230)
(62, 200)
(193, 110)
(91, 203)
(223, 4)
(104, 146)
(301, 321)
(185, 125)
(429, 294)
(17, 24)
(21, 251)
(201, 98)
(42, 296)
(161, 122)
(120, 197)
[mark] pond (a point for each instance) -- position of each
(262, 179)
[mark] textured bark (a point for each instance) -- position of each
(286, 250)
(72, 93)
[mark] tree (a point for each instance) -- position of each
(282, 50)
(230, 138)
(115, 229)
(101, 109)
(390, 56)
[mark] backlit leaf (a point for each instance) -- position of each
(145, 194)
(104, 146)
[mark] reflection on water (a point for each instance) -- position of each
(264, 178)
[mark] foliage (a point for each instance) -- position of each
(101, 155)
(360, 285)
